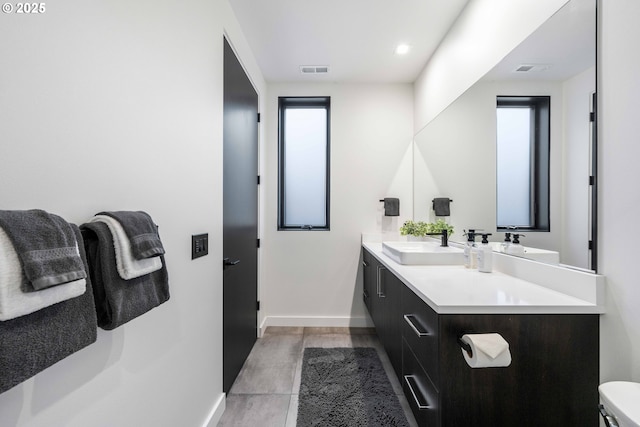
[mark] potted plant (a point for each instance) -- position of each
(413, 229)
(417, 230)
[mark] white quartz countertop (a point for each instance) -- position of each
(454, 289)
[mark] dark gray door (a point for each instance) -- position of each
(240, 217)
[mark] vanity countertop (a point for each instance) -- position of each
(454, 289)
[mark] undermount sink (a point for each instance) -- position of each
(422, 253)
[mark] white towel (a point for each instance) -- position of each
(128, 267)
(13, 301)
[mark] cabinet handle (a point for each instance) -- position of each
(608, 419)
(365, 263)
(379, 282)
(420, 406)
(365, 294)
(407, 318)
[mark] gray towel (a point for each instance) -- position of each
(391, 206)
(14, 302)
(46, 246)
(31, 343)
(441, 206)
(117, 300)
(142, 232)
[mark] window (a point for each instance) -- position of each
(523, 162)
(303, 169)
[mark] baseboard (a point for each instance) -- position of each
(317, 321)
(216, 412)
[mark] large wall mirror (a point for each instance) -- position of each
(456, 154)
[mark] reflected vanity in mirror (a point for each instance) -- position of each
(456, 154)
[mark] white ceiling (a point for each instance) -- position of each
(355, 38)
(563, 46)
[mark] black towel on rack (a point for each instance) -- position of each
(441, 206)
(391, 206)
(30, 344)
(117, 300)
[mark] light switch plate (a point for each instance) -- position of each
(199, 245)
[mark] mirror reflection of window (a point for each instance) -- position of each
(523, 162)
(514, 166)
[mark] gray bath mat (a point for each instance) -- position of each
(345, 387)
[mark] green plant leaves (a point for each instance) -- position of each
(421, 228)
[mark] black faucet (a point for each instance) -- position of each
(444, 237)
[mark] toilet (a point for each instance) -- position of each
(620, 403)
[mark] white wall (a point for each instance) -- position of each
(112, 106)
(311, 277)
(619, 199)
(485, 32)
(455, 157)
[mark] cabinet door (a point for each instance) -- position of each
(382, 295)
(392, 288)
(378, 298)
(368, 278)
(372, 278)
(552, 379)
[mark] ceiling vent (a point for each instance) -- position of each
(532, 68)
(314, 69)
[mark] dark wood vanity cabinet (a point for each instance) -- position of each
(552, 380)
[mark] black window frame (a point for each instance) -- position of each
(540, 182)
(284, 103)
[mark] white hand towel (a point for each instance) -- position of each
(128, 267)
(488, 350)
(13, 301)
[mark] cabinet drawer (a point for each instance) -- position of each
(420, 330)
(419, 390)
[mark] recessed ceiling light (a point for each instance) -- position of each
(402, 49)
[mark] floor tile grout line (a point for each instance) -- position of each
(291, 412)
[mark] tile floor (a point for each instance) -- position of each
(265, 394)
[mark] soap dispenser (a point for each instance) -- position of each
(515, 248)
(485, 255)
(469, 249)
(506, 243)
